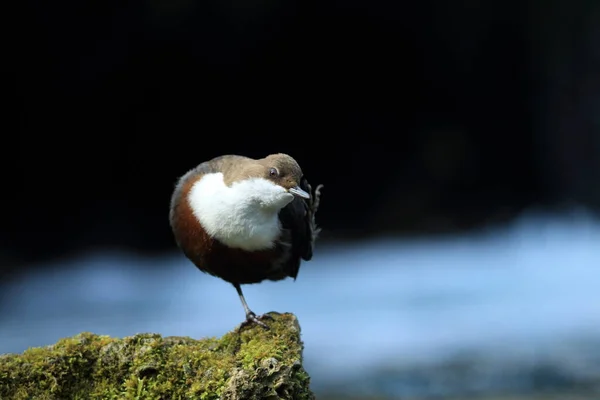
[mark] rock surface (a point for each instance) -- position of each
(247, 363)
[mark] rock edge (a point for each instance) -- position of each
(251, 363)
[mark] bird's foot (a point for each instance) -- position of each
(313, 206)
(252, 318)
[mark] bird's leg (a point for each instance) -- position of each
(313, 206)
(250, 316)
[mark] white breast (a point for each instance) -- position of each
(243, 215)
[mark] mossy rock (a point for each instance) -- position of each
(249, 363)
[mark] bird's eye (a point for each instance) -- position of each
(273, 172)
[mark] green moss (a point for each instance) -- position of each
(253, 363)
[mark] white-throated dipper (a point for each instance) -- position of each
(245, 220)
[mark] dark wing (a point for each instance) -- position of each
(296, 219)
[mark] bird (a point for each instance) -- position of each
(246, 220)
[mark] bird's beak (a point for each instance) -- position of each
(296, 191)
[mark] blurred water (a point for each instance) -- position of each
(389, 316)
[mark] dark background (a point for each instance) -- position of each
(419, 118)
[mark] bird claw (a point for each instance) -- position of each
(313, 206)
(252, 318)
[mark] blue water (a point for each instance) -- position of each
(513, 297)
